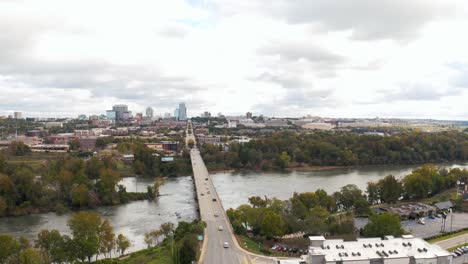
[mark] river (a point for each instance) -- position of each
(136, 218)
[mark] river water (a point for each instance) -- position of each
(136, 218)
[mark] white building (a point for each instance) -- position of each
(404, 250)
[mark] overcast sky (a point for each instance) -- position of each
(359, 58)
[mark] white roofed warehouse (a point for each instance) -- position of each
(404, 250)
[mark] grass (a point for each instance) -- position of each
(437, 239)
(249, 244)
(156, 255)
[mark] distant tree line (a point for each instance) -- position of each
(286, 149)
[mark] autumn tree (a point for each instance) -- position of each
(122, 243)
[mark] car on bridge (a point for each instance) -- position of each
(220, 228)
(214, 199)
(226, 245)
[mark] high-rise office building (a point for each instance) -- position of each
(248, 115)
(176, 114)
(111, 114)
(17, 115)
(149, 112)
(120, 109)
(182, 112)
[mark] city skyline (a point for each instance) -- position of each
(394, 58)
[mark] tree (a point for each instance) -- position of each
(381, 225)
(53, 243)
(272, 225)
(9, 248)
(390, 189)
(74, 144)
(417, 185)
(167, 229)
(85, 227)
(18, 148)
(188, 249)
(373, 195)
(108, 180)
(284, 159)
(30, 256)
(348, 196)
(191, 143)
(106, 238)
(122, 243)
(80, 195)
(257, 201)
(148, 239)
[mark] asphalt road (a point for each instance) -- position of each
(453, 242)
(214, 251)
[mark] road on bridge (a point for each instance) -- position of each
(213, 213)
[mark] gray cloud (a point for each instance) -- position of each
(419, 92)
(294, 51)
(368, 19)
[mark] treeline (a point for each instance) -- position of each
(423, 182)
(91, 236)
(286, 149)
(318, 213)
(69, 182)
(311, 212)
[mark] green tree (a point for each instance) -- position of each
(272, 225)
(18, 148)
(30, 256)
(390, 189)
(417, 185)
(53, 243)
(284, 159)
(9, 248)
(381, 225)
(167, 229)
(85, 227)
(373, 194)
(188, 249)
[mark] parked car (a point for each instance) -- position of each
(421, 221)
(438, 216)
(279, 248)
(431, 217)
(285, 249)
(214, 199)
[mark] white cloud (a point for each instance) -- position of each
(332, 58)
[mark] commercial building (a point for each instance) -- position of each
(111, 114)
(410, 210)
(318, 126)
(404, 250)
(53, 124)
(182, 112)
(149, 112)
(248, 115)
(120, 109)
(18, 115)
(276, 123)
(209, 140)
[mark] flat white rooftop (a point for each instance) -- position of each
(375, 248)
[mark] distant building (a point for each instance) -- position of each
(318, 126)
(276, 123)
(111, 115)
(209, 140)
(88, 143)
(182, 112)
(53, 124)
(248, 115)
(176, 114)
(167, 115)
(33, 133)
(139, 116)
(120, 109)
(232, 123)
(463, 189)
(149, 112)
(404, 250)
(18, 115)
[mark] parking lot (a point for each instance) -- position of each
(454, 221)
